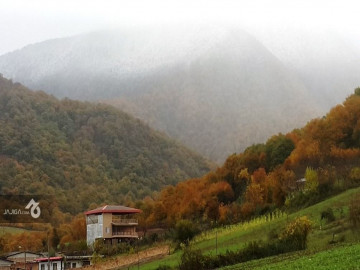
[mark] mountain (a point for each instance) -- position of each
(325, 152)
(217, 89)
(325, 61)
(78, 150)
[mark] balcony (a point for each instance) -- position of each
(124, 222)
(125, 234)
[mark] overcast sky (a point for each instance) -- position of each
(24, 22)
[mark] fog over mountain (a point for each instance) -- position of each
(217, 89)
(325, 61)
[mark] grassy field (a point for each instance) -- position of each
(237, 236)
(340, 257)
(11, 230)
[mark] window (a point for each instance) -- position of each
(54, 266)
(73, 265)
(42, 267)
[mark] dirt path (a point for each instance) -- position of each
(132, 259)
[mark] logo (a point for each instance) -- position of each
(35, 210)
(26, 208)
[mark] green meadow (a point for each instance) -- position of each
(323, 241)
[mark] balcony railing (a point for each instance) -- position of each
(122, 221)
(125, 234)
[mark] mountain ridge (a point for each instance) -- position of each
(186, 83)
(71, 149)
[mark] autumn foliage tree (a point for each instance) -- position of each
(74, 231)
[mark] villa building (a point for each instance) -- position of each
(111, 223)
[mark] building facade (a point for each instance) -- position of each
(77, 261)
(52, 263)
(111, 224)
(23, 260)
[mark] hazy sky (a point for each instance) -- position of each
(23, 22)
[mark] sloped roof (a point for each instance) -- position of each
(5, 262)
(49, 259)
(120, 209)
(15, 253)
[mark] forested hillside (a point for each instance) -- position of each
(76, 151)
(289, 172)
(215, 88)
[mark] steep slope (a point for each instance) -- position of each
(325, 60)
(75, 151)
(216, 89)
(234, 95)
(326, 152)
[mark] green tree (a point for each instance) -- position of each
(185, 231)
(357, 91)
(312, 182)
(277, 149)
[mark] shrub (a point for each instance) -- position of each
(328, 215)
(295, 233)
(109, 250)
(185, 231)
(95, 258)
(192, 260)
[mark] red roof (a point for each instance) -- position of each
(113, 209)
(51, 259)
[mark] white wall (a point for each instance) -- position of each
(94, 231)
(59, 264)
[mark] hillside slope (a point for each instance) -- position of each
(324, 60)
(326, 152)
(216, 89)
(78, 150)
(237, 236)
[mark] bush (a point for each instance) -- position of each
(328, 215)
(185, 231)
(75, 248)
(109, 250)
(192, 260)
(295, 233)
(95, 258)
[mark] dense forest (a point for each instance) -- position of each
(75, 151)
(288, 172)
(88, 154)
